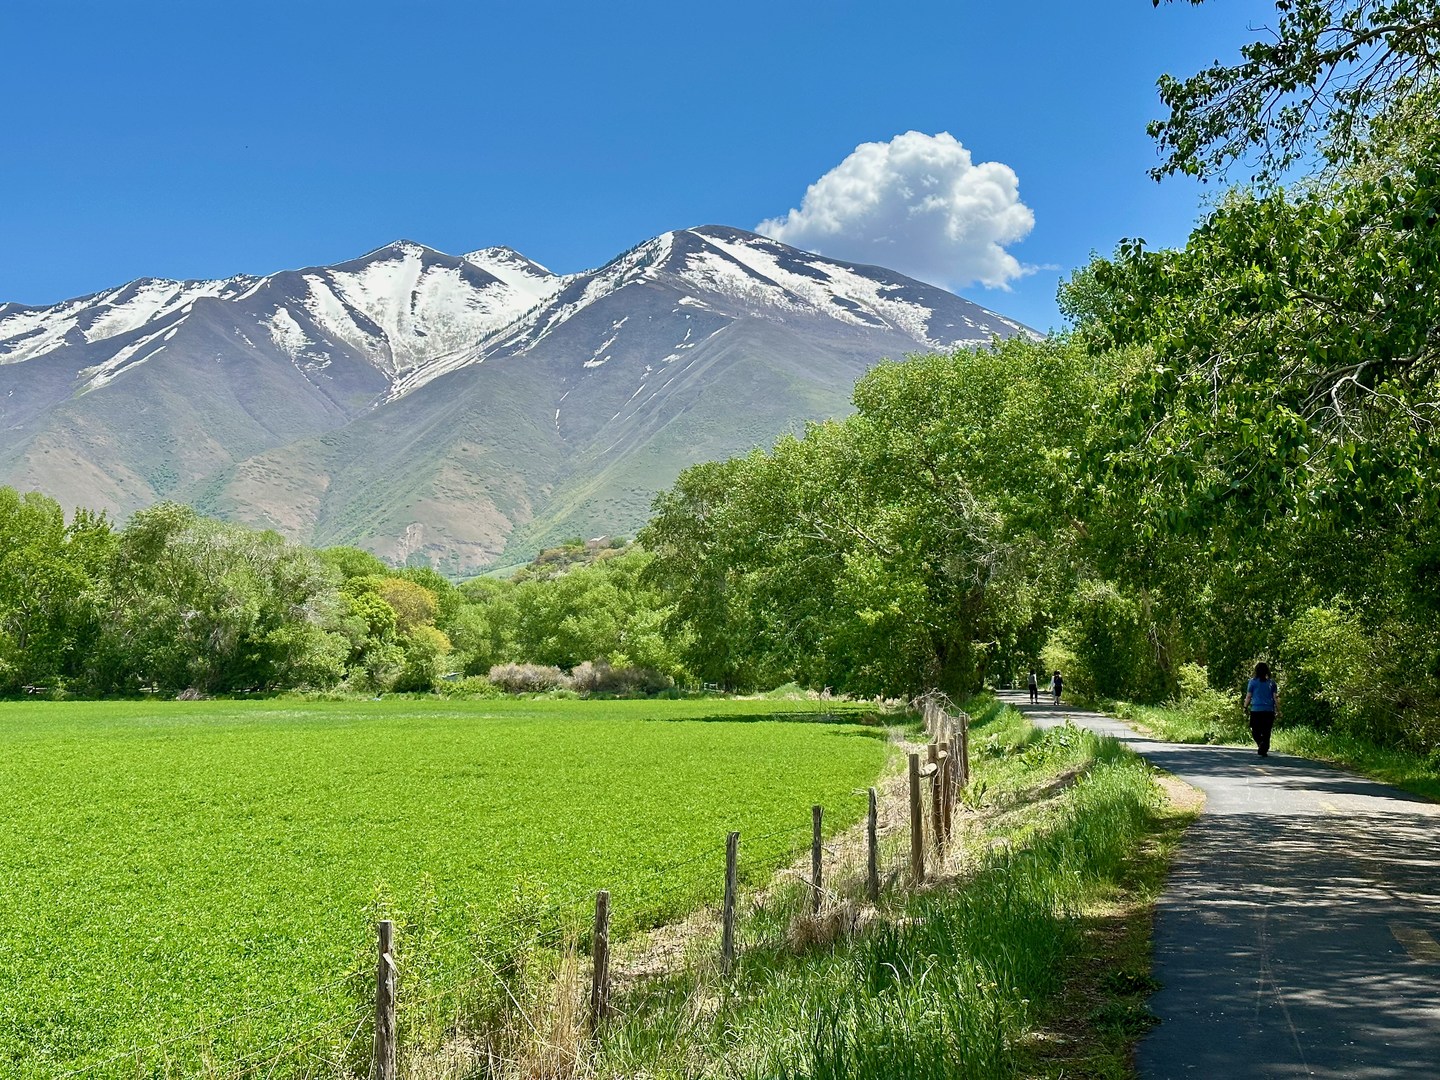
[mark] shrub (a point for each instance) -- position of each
(1335, 671)
(472, 686)
(379, 667)
(528, 678)
(790, 691)
(599, 677)
(426, 651)
(1204, 705)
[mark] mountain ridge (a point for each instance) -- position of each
(453, 409)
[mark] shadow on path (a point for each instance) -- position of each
(1298, 934)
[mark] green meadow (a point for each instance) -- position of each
(186, 884)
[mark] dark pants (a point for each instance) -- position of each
(1260, 725)
(1034, 695)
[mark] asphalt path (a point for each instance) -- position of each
(1297, 936)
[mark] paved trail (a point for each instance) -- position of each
(1298, 934)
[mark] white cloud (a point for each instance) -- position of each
(917, 204)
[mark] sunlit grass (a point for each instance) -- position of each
(172, 866)
(948, 982)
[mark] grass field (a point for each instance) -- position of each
(201, 879)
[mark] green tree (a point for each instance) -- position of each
(414, 605)
(923, 541)
(51, 574)
(197, 603)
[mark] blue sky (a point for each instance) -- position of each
(203, 140)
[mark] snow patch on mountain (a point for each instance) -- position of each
(150, 300)
(97, 376)
(637, 264)
(525, 276)
(286, 333)
(28, 332)
(423, 309)
(832, 288)
(338, 317)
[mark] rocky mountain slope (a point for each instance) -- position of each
(457, 410)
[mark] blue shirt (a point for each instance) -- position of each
(1262, 695)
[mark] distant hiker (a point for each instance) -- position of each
(1056, 685)
(1260, 703)
(1034, 688)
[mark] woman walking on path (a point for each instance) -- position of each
(1260, 703)
(1056, 685)
(1034, 688)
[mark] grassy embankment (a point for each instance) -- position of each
(1211, 721)
(1030, 956)
(190, 888)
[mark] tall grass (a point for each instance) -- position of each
(944, 982)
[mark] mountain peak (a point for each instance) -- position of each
(400, 249)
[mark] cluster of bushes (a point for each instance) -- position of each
(174, 603)
(584, 678)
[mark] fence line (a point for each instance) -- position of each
(575, 915)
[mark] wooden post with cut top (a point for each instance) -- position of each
(816, 853)
(917, 825)
(932, 756)
(872, 844)
(600, 962)
(385, 1057)
(947, 769)
(964, 749)
(727, 913)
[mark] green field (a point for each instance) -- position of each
(201, 879)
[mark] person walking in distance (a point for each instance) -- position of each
(1056, 685)
(1260, 695)
(1034, 688)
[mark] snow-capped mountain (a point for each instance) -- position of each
(396, 308)
(423, 404)
(748, 273)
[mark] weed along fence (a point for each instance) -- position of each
(833, 883)
(532, 992)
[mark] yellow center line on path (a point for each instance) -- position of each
(1330, 808)
(1419, 944)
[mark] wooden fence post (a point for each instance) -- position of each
(727, 913)
(947, 768)
(600, 957)
(964, 749)
(816, 813)
(917, 824)
(932, 757)
(872, 843)
(385, 1059)
(957, 775)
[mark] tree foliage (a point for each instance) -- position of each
(910, 545)
(1322, 72)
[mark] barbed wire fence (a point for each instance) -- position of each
(539, 988)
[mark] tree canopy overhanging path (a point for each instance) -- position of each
(1297, 936)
